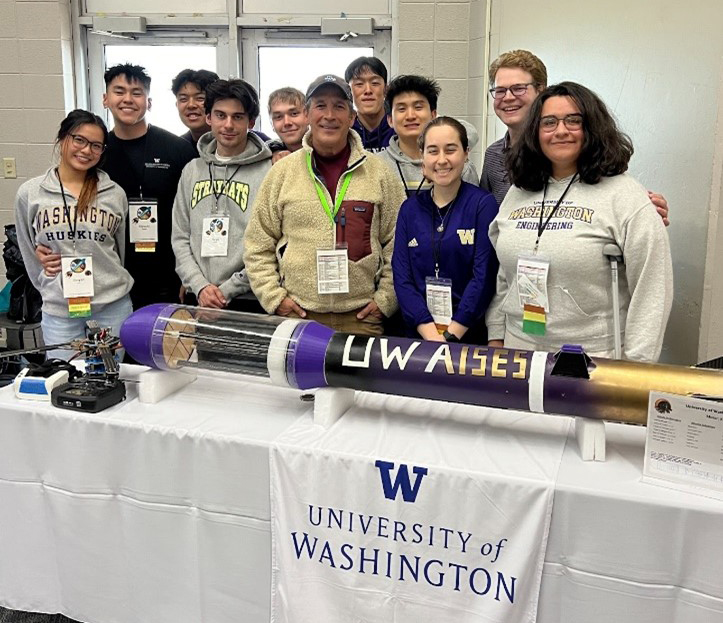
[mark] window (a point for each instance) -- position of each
(297, 66)
(162, 63)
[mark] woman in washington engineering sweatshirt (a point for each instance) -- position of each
(78, 212)
(444, 266)
(570, 199)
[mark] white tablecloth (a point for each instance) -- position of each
(161, 513)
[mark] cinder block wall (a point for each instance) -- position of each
(445, 39)
(35, 84)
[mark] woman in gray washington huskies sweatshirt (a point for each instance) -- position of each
(77, 211)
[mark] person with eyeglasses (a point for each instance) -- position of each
(79, 214)
(571, 198)
(517, 78)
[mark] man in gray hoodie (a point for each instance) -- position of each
(411, 103)
(214, 198)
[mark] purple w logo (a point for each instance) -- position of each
(402, 481)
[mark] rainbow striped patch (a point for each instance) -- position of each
(534, 320)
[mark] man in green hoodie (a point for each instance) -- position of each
(214, 198)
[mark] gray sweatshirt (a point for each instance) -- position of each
(41, 218)
(410, 171)
(235, 182)
(615, 210)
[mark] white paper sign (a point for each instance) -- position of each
(332, 269)
(684, 445)
(214, 241)
(77, 273)
(532, 275)
(143, 220)
(357, 538)
(439, 300)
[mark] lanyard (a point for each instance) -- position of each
(540, 227)
(322, 197)
(224, 188)
(437, 242)
(66, 209)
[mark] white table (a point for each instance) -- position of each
(161, 513)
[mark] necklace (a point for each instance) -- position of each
(440, 227)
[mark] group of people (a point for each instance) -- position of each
(365, 205)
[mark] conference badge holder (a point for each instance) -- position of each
(439, 301)
(332, 270)
(215, 235)
(78, 289)
(532, 273)
(143, 221)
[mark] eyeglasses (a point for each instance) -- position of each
(81, 143)
(516, 89)
(572, 122)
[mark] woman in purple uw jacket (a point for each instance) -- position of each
(444, 265)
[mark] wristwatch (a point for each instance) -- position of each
(450, 337)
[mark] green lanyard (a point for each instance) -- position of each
(322, 196)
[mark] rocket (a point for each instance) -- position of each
(304, 355)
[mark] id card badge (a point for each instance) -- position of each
(532, 273)
(143, 224)
(439, 300)
(332, 270)
(214, 240)
(78, 288)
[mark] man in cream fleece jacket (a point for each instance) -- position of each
(329, 197)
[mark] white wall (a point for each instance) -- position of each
(657, 64)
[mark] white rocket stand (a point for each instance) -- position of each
(330, 403)
(155, 385)
(590, 435)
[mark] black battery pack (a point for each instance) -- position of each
(88, 394)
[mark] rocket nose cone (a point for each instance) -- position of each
(137, 331)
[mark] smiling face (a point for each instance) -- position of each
(443, 156)
(410, 113)
(561, 146)
(368, 91)
(189, 102)
(512, 110)
(127, 101)
(82, 157)
(230, 124)
(290, 122)
(330, 118)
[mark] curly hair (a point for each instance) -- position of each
(606, 150)
(520, 59)
(233, 89)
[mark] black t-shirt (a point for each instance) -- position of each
(150, 166)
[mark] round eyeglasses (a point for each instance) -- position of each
(81, 142)
(516, 89)
(572, 122)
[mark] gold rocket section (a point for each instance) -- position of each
(621, 388)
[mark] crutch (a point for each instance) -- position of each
(615, 255)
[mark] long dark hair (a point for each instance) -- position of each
(68, 126)
(606, 150)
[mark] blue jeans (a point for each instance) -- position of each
(57, 330)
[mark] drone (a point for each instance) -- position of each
(60, 382)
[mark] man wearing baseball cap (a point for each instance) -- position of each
(320, 241)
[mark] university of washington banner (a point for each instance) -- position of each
(364, 540)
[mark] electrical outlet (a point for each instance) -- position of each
(9, 170)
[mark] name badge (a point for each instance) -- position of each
(439, 301)
(143, 224)
(332, 271)
(532, 273)
(78, 288)
(214, 239)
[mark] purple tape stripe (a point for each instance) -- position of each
(306, 360)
